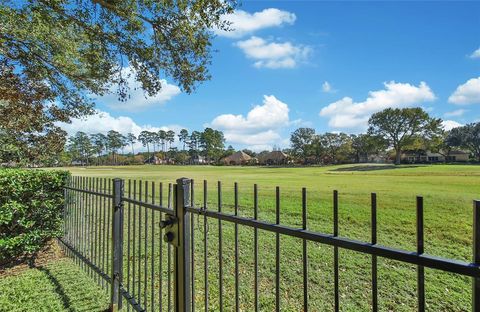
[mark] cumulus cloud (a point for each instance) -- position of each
(467, 93)
(138, 100)
(102, 122)
(475, 54)
(273, 54)
(450, 124)
(345, 113)
(259, 128)
(242, 23)
(455, 113)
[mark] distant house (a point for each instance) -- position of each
(153, 160)
(431, 157)
(273, 158)
(238, 158)
(197, 160)
(167, 161)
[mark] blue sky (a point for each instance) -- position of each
(326, 65)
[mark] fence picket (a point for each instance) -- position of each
(476, 255)
(374, 257)
(335, 252)
(420, 250)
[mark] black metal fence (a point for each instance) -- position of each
(140, 244)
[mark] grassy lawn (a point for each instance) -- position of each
(59, 285)
(448, 191)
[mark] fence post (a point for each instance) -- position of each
(117, 246)
(182, 256)
(476, 255)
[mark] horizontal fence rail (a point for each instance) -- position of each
(156, 247)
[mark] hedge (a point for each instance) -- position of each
(31, 205)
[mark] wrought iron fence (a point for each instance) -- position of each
(140, 244)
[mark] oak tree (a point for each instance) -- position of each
(399, 127)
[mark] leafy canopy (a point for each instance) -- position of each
(28, 132)
(399, 127)
(81, 47)
(467, 137)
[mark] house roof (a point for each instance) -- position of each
(237, 157)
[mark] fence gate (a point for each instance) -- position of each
(136, 239)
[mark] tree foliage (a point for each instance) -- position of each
(183, 137)
(82, 47)
(28, 130)
(365, 144)
(301, 141)
(212, 143)
(337, 147)
(320, 148)
(81, 147)
(467, 137)
(399, 127)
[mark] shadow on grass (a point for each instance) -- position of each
(58, 288)
(374, 167)
(68, 303)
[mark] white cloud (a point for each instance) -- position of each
(327, 87)
(138, 100)
(345, 113)
(467, 93)
(273, 54)
(455, 113)
(260, 128)
(475, 54)
(260, 148)
(450, 124)
(242, 23)
(102, 122)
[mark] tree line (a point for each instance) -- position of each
(391, 131)
(108, 148)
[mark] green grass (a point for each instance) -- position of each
(448, 191)
(58, 286)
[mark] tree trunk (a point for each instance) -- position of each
(398, 154)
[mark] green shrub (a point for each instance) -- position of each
(31, 205)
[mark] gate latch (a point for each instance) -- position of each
(170, 225)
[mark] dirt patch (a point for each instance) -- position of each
(50, 252)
